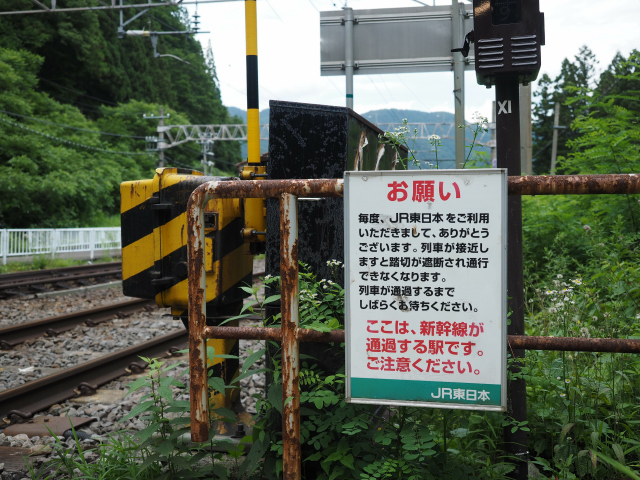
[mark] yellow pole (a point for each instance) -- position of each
(253, 111)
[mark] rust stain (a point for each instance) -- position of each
(197, 322)
(575, 344)
(290, 354)
(182, 235)
(275, 188)
(574, 184)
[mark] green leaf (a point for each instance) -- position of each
(225, 413)
(217, 384)
(237, 317)
(347, 461)
(274, 396)
(271, 299)
(248, 374)
(146, 432)
(165, 448)
(138, 409)
(617, 449)
(564, 432)
(141, 382)
(248, 363)
(165, 392)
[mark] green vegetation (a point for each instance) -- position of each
(73, 96)
(577, 77)
(582, 278)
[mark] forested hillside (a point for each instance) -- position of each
(576, 87)
(73, 96)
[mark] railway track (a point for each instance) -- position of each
(52, 326)
(23, 402)
(19, 283)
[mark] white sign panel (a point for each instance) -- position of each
(393, 40)
(425, 293)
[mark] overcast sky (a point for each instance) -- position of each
(289, 52)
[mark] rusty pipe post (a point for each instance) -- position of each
(291, 452)
(197, 317)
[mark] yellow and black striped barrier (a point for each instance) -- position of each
(154, 251)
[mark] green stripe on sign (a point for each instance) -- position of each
(420, 391)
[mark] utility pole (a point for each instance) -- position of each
(494, 158)
(525, 129)
(508, 156)
(160, 140)
(457, 37)
(207, 146)
(554, 145)
(348, 53)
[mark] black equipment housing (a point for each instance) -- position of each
(508, 35)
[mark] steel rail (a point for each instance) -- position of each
(41, 277)
(52, 326)
(24, 401)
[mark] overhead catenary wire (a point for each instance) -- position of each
(412, 93)
(68, 142)
(382, 96)
(316, 8)
(69, 126)
(102, 100)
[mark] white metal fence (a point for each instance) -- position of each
(52, 241)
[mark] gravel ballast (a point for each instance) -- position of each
(15, 311)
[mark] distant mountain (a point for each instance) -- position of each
(422, 149)
(235, 111)
(264, 119)
(413, 116)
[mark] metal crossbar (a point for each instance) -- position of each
(290, 334)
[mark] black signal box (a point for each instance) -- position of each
(507, 35)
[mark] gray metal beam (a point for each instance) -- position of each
(54, 9)
(178, 134)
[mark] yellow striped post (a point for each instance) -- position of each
(253, 111)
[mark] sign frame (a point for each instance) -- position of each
(423, 36)
(430, 174)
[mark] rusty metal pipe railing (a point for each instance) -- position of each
(289, 303)
(574, 184)
(291, 334)
(527, 342)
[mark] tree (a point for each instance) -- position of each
(577, 74)
(87, 65)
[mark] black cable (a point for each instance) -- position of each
(69, 126)
(78, 92)
(68, 142)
